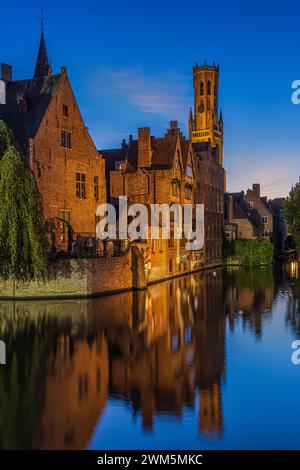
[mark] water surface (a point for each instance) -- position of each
(200, 362)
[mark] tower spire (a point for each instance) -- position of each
(42, 66)
(42, 18)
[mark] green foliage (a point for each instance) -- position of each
(6, 138)
(292, 215)
(23, 246)
(249, 277)
(251, 253)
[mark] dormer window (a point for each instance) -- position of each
(22, 105)
(120, 165)
(65, 110)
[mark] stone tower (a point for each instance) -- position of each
(206, 135)
(206, 125)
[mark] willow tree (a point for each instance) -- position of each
(23, 245)
(6, 138)
(292, 215)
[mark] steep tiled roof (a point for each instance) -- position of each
(242, 211)
(162, 157)
(112, 156)
(37, 93)
(163, 152)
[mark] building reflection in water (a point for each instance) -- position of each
(161, 351)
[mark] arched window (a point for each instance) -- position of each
(208, 88)
(201, 89)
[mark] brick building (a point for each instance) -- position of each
(241, 221)
(255, 201)
(206, 135)
(248, 215)
(153, 170)
(44, 116)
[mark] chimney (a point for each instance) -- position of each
(6, 72)
(144, 147)
(5, 76)
(174, 129)
(256, 189)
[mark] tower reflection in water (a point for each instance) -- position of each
(162, 351)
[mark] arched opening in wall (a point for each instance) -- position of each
(170, 266)
(201, 89)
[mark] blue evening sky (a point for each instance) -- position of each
(130, 63)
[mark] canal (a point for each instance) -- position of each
(199, 362)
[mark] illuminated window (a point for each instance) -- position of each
(64, 224)
(175, 188)
(171, 244)
(80, 186)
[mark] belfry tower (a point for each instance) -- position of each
(206, 125)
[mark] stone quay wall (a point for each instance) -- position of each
(83, 278)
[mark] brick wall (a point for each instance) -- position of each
(209, 190)
(253, 197)
(55, 167)
(84, 277)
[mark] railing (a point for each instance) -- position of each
(200, 133)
